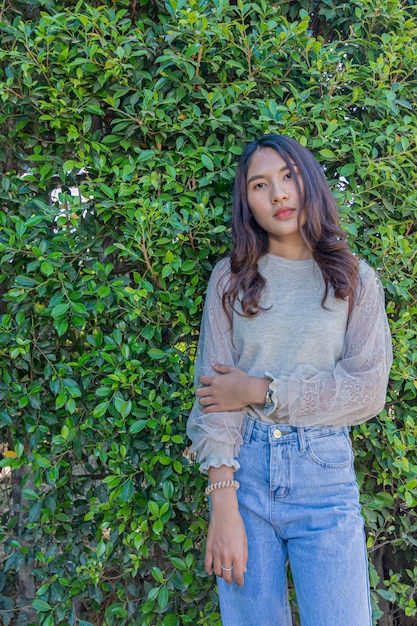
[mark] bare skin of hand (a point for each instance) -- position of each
(231, 390)
(227, 543)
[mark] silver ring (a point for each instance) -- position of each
(226, 569)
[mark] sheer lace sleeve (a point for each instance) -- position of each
(356, 389)
(216, 437)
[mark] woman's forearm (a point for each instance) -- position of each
(225, 496)
(230, 389)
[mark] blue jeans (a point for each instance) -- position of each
(300, 503)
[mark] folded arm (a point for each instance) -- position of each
(216, 435)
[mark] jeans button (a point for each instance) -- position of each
(277, 433)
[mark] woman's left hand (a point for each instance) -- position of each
(232, 390)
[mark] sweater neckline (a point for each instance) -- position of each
(269, 258)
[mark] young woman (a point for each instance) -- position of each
(294, 348)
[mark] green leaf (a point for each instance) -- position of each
(104, 291)
(207, 162)
(148, 332)
(153, 508)
(157, 574)
(168, 489)
(128, 489)
(145, 155)
(158, 526)
(385, 498)
(179, 564)
(327, 154)
(156, 353)
(30, 494)
(347, 170)
(60, 309)
(41, 606)
(26, 281)
(137, 426)
(188, 266)
(100, 409)
(123, 407)
(61, 326)
(47, 268)
(163, 597)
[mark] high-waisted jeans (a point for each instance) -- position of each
(300, 503)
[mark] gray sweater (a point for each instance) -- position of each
(325, 369)
(295, 329)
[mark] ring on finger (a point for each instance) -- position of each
(226, 569)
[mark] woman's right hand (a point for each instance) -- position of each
(227, 543)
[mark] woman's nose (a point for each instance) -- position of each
(278, 193)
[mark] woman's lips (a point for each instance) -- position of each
(284, 213)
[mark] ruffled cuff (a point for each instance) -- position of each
(215, 444)
(215, 454)
(218, 461)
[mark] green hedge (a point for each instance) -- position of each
(120, 127)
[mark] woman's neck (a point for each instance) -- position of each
(297, 252)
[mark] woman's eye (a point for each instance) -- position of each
(259, 185)
(288, 175)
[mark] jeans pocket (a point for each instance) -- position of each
(333, 450)
(245, 449)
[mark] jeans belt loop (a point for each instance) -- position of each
(250, 422)
(302, 438)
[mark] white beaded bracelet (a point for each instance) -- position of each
(221, 485)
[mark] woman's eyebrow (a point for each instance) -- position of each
(257, 176)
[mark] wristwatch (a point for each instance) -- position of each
(268, 399)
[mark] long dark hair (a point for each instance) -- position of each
(321, 231)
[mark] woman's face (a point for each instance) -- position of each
(274, 203)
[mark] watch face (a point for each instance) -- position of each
(268, 399)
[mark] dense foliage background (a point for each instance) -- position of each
(120, 126)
